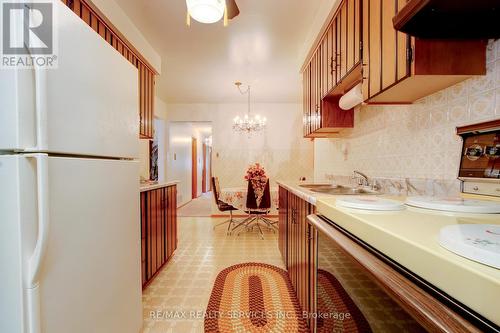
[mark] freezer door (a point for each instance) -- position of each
(80, 268)
(89, 105)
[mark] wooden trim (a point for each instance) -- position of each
(407, 12)
(485, 126)
(100, 15)
(422, 306)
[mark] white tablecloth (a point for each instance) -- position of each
(237, 197)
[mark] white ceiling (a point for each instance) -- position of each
(262, 46)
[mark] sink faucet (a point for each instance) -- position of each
(361, 178)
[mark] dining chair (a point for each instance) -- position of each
(257, 212)
(222, 206)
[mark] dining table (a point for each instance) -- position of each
(237, 197)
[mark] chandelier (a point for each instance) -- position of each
(248, 124)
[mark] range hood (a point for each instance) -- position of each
(450, 19)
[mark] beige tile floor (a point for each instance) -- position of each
(183, 288)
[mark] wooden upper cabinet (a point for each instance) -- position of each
(360, 44)
(400, 69)
(334, 68)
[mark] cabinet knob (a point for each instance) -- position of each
(475, 188)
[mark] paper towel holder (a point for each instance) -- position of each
(352, 98)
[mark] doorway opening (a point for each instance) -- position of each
(189, 159)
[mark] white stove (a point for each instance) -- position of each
(478, 242)
(453, 204)
(370, 203)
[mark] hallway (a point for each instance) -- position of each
(199, 207)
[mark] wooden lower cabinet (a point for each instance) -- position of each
(295, 244)
(282, 224)
(158, 230)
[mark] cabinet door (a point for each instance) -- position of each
(312, 267)
(350, 23)
(357, 26)
(402, 46)
(375, 46)
(291, 216)
(325, 65)
(366, 48)
(389, 44)
(317, 115)
(282, 224)
(151, 232)
(162, 230)
(331, 51)
(143, 239)
(342, 17)
(313, 93)
(336, 51)
(385, 60)
(314, 87)
(319, 97)
(171, 213)
(306, 83)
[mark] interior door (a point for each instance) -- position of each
(89, 104)
(204, 170)
(194, 168)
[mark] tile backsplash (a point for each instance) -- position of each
(414, 144)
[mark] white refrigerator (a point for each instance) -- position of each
(69, 190)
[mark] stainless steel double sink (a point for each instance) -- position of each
(338, 189)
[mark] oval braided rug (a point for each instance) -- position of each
(254, 297)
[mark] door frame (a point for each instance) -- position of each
(194, 168)
(204, 170)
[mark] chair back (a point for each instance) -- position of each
(216, 189)
(265, 203)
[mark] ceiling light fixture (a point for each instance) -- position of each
(248, 124)
(206, 11)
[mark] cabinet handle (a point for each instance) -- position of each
(337, 63)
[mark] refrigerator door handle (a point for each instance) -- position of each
(36, 259)
(40, 106)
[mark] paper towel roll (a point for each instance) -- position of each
(352, 98)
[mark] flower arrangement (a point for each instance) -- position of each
(257, 175)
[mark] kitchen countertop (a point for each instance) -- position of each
(149, 187)
(410, 237)
(301, 192)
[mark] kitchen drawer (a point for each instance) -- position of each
(482, 188)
